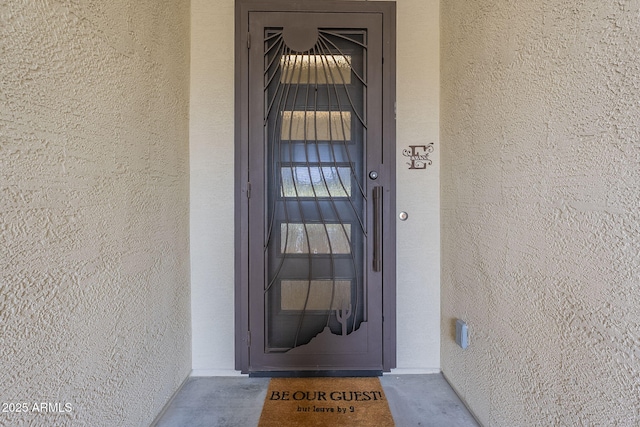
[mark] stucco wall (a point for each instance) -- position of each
(212, 211)
(540, 209)
(94, 244)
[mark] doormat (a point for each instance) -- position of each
(325, 402)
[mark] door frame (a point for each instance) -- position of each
(242, 188)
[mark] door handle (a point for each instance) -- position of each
(377, 228)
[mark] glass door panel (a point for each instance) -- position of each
(315, 133)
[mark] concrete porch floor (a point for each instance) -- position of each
(414, 400)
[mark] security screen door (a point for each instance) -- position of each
(316, 189)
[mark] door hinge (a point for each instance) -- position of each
(248, 40)
(248, 338)
(248, 190)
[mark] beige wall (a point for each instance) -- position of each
(212, 212)
(94, 270)
(418, 191)
(212, 170)
(540, 209)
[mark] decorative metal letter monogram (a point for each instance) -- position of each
(418, 155)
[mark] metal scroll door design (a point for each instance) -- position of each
(317, 218)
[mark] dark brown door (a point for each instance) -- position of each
(320, 192)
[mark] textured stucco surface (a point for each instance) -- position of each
(212, 174)
(540, 209)
(94, 244)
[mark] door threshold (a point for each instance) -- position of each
(309, 374)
